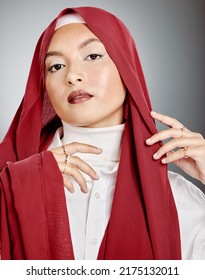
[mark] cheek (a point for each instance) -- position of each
(107, 79)
(54, 98)
(53, 89)
(49, 86)
(112, 84)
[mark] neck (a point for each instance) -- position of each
(107, 138)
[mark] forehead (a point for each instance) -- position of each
(72, 33)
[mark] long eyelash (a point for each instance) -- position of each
(50, 69)
(95, 54)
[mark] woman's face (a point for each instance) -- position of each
(82, 81)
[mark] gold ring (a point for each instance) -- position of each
(67, 158)
(182, 130)
(64, 151)
(66, 164)
(66, 161)
(185, 149)
(64, 170)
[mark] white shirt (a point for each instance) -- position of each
(89, 213)
(190, 204)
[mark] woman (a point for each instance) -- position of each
(85, 124)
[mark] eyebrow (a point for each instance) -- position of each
(81, 46)
(88, 41)
(53, 53)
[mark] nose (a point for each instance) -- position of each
(75, 76)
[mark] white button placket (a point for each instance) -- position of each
(97, 195)
(94, 241)
(78, 202)
(95, 218)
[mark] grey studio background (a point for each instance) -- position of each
(170, 39)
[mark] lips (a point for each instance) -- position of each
(79, 96)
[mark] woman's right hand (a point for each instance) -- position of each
(71, 165)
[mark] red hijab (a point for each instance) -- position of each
(143, 222)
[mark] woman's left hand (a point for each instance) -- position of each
(185, 148)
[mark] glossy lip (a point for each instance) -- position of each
(79, 96)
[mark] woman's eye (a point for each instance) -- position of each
(56, 67)
(93, 56)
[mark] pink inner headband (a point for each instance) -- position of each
(69, 18)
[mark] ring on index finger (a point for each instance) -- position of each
(67, 156)
(67, 159)
(64, 150)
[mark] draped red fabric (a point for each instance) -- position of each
(34, 221)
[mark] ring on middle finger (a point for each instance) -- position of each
(64, 170)
(67, 157)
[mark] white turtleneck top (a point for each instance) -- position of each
(89, 213)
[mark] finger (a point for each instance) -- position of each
(58, 150)
(178, 143)
(168, 133)
(79, 163)
(68, 184)
(192, 153)
(78, 177)
(171, 122)
(84, 167)
(173, 157)
(76, 147)
(59, 157)
(70, 170)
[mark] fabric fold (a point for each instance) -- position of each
(34, 222)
